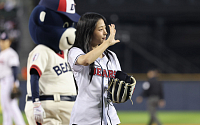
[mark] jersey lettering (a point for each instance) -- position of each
(104, 73)
(110, 72)
(114, 73)
(57, 70)
(62, 68)
(98, 72)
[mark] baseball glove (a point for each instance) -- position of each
(16, 93)
(121, 88)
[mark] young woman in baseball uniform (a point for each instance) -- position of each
(92, 65)
(9, 63)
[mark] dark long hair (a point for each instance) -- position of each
(84, 31)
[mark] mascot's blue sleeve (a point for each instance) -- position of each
(35, 86)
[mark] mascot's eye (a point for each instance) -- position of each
(42, 16)
(66, 25)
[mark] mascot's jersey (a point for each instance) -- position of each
(8, 58)
(56, 76)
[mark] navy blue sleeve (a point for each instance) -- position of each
(34, 84)
(15, 72)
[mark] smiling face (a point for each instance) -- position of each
(99, 34)
(67, 39)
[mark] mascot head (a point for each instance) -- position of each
(52, 23)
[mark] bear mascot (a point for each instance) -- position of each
(51, 89)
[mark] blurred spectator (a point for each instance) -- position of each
(8, 5)
(14, 33)
(11, 28)
(153, 91)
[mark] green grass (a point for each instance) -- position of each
(24, 116)
(142, 117)
(166, 117)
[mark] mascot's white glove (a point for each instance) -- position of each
(39, 112)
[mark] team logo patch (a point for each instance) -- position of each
(35, 56)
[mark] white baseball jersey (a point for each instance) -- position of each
(8, 58)
(87, 107)
(56, 76)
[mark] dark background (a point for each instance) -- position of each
(153, 33)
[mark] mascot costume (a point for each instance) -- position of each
(51, 90)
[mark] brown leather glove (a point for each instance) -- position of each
(16, 93)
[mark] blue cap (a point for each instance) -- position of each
(66, 7)
(4, 36)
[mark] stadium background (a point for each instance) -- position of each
(153, 33)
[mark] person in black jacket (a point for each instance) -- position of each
(153, 91)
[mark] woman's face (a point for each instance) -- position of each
(99, 34)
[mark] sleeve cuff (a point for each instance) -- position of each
(37, 69)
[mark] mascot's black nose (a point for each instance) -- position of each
(68, 41)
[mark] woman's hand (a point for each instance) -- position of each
(111, 39)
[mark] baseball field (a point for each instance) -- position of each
(166, 117)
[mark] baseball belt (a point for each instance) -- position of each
(51, 97)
